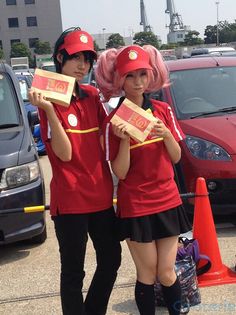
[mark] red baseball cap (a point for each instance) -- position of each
(78, 41)
(132, 58)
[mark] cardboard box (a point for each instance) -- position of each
(139, 122)
(56, 87)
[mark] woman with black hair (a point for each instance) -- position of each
(81, 186)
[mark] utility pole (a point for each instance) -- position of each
(104, 39)
(217, 23)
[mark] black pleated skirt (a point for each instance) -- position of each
(147, 228)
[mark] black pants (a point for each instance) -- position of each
(72, 233)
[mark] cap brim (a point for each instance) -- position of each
(134, 66)
(73, 49)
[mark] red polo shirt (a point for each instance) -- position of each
(84, 184)
(149, 186)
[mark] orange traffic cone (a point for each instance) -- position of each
(204, 231)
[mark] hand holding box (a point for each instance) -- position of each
(139, 122)
(56, 87)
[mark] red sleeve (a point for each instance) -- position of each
(44, 126)
(111, 141)
(174, 125)
(164, 111)
(102, 112)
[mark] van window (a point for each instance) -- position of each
(9, 115)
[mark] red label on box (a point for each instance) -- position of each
(49, 84)
(133, 117)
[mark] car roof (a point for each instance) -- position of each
(195, 63)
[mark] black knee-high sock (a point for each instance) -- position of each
(145, 299)
(172, 297)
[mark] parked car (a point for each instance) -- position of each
(202, 94)
(21, 179)
(216, 50)
(48, 66)
(25, 80)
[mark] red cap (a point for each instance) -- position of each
(78, 41)
(132, 58)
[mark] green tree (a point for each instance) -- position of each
(227, 33)
(20, 50)
(210, 34)
(1, 54)
(192, 38)
(115, 41)
(146, 38)
(42, 48)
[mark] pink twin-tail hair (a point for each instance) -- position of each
(110, 83)
(159, 75)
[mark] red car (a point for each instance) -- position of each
(203, 96)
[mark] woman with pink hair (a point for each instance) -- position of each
(149, 207)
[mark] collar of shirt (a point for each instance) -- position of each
(147, 104)
(80, 92)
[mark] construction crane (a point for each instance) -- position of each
(144, 22)
(177, 30)
(176, 22)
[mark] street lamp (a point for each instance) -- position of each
(217, 23)
(104, 40)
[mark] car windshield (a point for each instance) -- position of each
(199, 91)
(9, 116)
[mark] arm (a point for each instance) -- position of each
(171, 144)
(120, 165)
(60, 142)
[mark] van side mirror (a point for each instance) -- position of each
(33, 119)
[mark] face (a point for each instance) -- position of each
(76, 67)
(136, 82)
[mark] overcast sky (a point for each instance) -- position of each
(123, 16)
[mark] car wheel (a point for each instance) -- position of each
(39, 239)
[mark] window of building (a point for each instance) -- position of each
(31, 21)
(29, 1)
(13, 22)
(10, 2)
(13, 41)
(1, 45)
(32, 42)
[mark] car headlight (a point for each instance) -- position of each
(206, 150)
(19, 175)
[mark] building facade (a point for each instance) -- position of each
(27, 21)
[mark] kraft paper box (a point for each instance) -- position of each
(139, 122)
(56, 87)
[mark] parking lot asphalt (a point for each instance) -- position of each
(29, 276)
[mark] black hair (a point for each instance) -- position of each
(88, 55)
